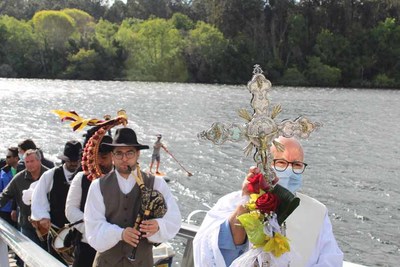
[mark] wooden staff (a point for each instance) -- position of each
(169, 153)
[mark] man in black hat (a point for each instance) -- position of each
(83, 253)
(113, 203)
(49, 195)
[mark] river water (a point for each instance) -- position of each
(353, 159)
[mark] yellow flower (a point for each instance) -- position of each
(277, 245)
(251, 204)
(266, 239)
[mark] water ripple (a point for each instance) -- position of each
(353, 158)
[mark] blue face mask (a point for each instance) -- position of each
(21, 156)
(290, 180)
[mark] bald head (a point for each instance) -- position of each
(293, 150)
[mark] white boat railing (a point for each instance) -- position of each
(35, 256)
(188, 231)
(27, 250)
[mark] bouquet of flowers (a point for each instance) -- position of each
(261, 224)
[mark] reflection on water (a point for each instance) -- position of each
(353, 158)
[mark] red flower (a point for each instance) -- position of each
(257, 182)
(267, 202)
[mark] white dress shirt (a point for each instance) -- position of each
(73, 204)
(40, 207)
(27, 194)
(103, 235)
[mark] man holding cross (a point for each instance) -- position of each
(308, 227)
(222, 237)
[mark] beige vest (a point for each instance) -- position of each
(303, 228)
(122, 210)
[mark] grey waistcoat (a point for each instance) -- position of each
(122, 210)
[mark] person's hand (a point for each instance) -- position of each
(45, 224)
(14, 216)
(252, 171)
(131, 236)
(149, 228)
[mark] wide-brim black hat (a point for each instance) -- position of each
(126, 137)
(72, 151)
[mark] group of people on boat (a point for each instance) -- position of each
(122, 214)
(102, 212)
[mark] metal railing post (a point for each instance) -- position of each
(4, 254)
(188, 232)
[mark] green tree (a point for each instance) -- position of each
(144, 9)
(117, 12)
(84, 26)
(293, 77)
(297, 40)
(105, 33)
(109, 50)
(12, 8)
(383, 81)
(204, 52)
(182, 22)
(83, 65)
(277, 18)
(240, 57)
(155, 51)
(18, 47)
(320, 74)
(209, 11)
(53, 29)
(84, 22)
(385, 44)
(334, 50)
(331, 47)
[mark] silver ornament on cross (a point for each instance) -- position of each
(260, 128)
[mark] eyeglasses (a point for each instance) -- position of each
(281, 165)
(128, 155)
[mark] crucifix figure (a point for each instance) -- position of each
(260, 130)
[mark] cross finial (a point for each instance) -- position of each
(257, 69)
(260, 128)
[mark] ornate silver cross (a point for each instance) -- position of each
(260, 128)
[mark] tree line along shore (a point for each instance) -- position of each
(341, 43)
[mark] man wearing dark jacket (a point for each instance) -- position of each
(22, 181)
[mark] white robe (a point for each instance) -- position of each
(318, 249)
